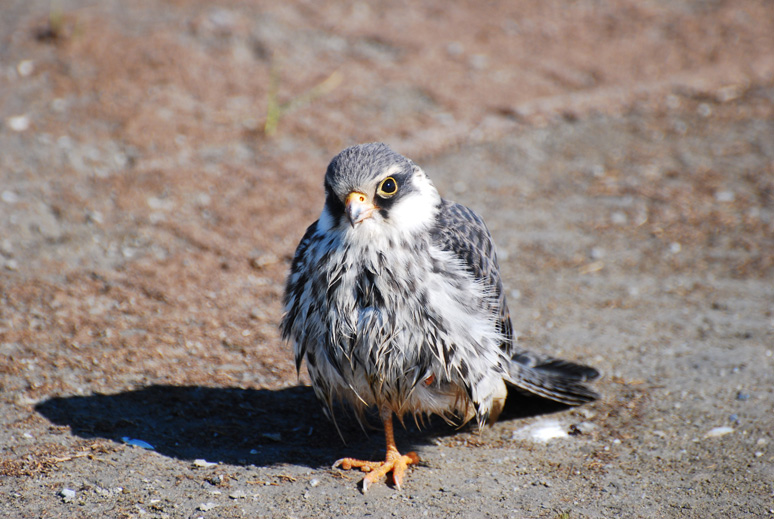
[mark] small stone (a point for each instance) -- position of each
(206, 507)
(314, 482)
(725, 196)
(454, 48)
(94, 217)
(25, 67)
(264, 260)
(742, 396)
(239, 494)
(581, 428)
(19, 123)
(203, 463)
(619, 218)
(277, 437)
(67, 495)
(215, 480)
(704, 110)
(719, 431)
(137, 443)
(9, 197)
(59, 105)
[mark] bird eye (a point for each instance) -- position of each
(387, 188)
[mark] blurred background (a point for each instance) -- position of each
(160, 160)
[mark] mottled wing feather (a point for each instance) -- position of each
(294, 288)
(463, 232)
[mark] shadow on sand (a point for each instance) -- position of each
(244, 426)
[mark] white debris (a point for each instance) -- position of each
(67, 494)
(206, 507)
(719, 431)
(203, 463)
(161, 204)
(9, 197)
(277, 437)
(25, 67)
(542, 431)
(137, 443)
(18, 123)
(725, 196)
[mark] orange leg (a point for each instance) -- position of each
(393, 462)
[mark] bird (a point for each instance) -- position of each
(394, 300)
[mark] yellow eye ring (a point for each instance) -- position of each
(387, 188)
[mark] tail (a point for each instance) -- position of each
(555, 379)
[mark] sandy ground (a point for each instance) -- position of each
(160, 160)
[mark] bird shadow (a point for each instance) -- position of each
(244, 426)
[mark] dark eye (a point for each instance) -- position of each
(387, 188)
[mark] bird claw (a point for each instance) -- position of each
(395, 463)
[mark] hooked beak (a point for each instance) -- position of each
(358, 207)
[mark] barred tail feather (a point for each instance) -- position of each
(555, 379)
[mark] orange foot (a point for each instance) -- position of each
(394, 462)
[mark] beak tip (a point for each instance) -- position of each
(358, 208)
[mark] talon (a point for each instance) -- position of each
(343, 463)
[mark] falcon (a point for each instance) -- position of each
(394, 300)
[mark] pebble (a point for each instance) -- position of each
(582, 428)
(263, 260)
(541, 432)
(206, 507)
(19, 123)
(719, 431)
(742, 396)
(203, 463)
(239, 494)
(314, 482)
(619, 218)
(25, 67)
(67, 495)
(137, 443)
(9, 197)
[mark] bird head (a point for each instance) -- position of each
(371, 185)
